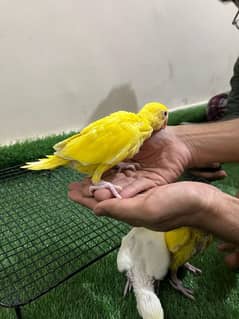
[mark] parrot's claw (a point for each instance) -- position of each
(194, 270)
(124, 165)
(178, 285)
(128, 287)
(103, 184)
(185, 291)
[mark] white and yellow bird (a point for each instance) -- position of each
(105, 143)
(146, 256)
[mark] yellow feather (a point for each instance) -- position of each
(107, 141)
(184, 243)
(50, 162)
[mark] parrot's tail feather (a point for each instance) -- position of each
(51, 162)
(148, 304)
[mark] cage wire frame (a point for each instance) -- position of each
(45, 238)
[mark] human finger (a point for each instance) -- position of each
(137, 186)
(119, 179)
(78, 197)
(82, 186)
(227, 247)
(125, 210)
(220, 174)
(232, 260)
(73, 185)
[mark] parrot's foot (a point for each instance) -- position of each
(194, 270)
(124, 165)
(103, 184)
(178, 285)
(128, 287)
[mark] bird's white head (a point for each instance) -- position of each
(156, 114)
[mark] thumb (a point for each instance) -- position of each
(121, 209)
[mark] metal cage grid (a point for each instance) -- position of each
(44, 237)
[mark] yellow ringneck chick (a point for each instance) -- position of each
(183, 243)
(105, 143)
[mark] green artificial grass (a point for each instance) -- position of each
(44, 236)
(28, 150)
(97, 291)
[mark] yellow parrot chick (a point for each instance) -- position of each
(105, 143)
(183, 243)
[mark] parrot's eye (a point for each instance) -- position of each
(165, 113)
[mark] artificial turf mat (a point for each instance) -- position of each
(97, 291)
(45, 237)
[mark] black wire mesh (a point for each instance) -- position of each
(44, 237)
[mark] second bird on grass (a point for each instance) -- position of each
(105, 143)
(146, 256)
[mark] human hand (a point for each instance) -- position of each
(170, 206)
(161, 208)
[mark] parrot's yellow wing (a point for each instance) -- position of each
(184, 243)
(106, 141)
(181, 245)
(177, 238)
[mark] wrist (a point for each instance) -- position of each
(183, 134)
(210, 142)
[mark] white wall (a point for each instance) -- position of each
(66, 62)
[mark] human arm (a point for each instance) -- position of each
(208, 143)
